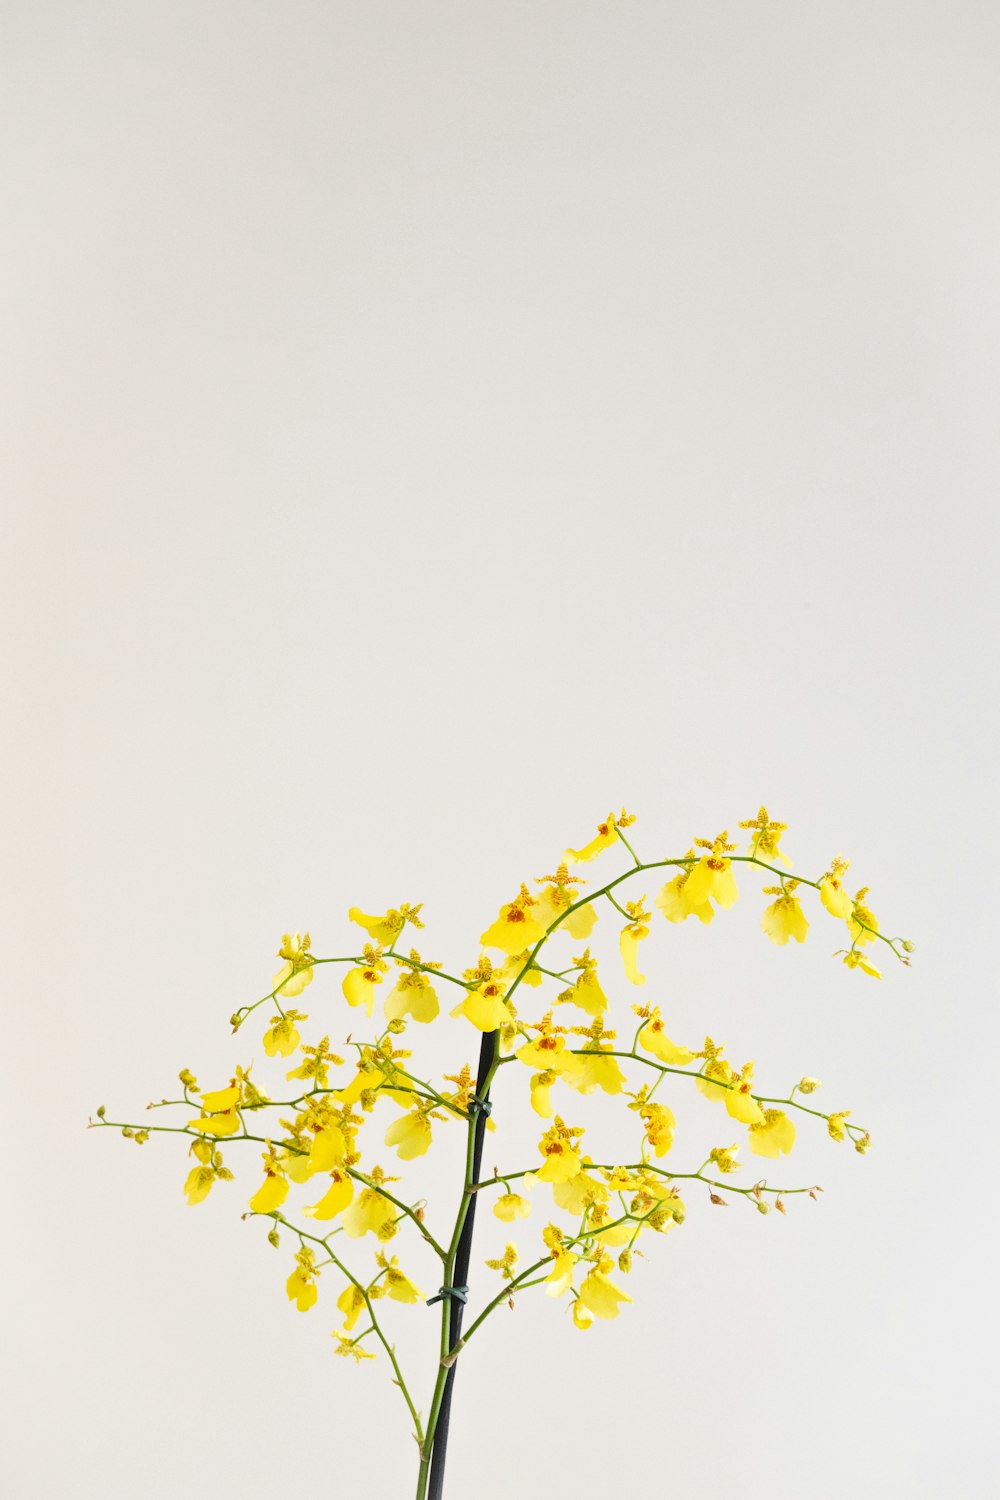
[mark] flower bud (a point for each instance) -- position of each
(808, 1085)
(101, 1111)
(273, 1237)
(762, 1207)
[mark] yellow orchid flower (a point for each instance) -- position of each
(675, 903)
(359, 984)
(653, 1038)
(292, 978)
(773, 1136)
(855, 959)
(410, 1134)
(766, 838)
(784, 918)
(560, 1278)
(631, 936)
(516, 928)
(282, 1036)
(832, 891)
(413, 995)
(301, 1285)
(338, 1196)
(598, 1292)
(712, 877)
(740, 1103)
(557, 1145)
(274, 1189)
(351, 1303)
(603, 839)
(510, 1206)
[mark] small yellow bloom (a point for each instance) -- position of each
(595, 1069)
(766, 837)
(516, 928)
(740, 1103)
(351, 1303)
(582, 1316)
(660, 1124)
(485, 1007)
(412, 995)
(862, 924)
(328, 1149)
(712, 877)
(675, 903)
(370, 1213)
(773, 1136)
(398, 1285)
(541, 1086)
(715, 1073)
(359, 984)
(557, 1145)
(338, 1196)
(301, 1285)
(410, 1134)
(282, 1036)
(784, 918)
(832, 891)
(586, 991)
(855, 959)
(599, 1294)
(511, 1206)
(220, 1116)
(296, 972)
(274, 1189)
(605, 837)
(382, 930)
(653, 1038)
(555, 900)
(578, 1193)
(835, 1125)
(724, 1157)
(560, 1278)
(631, 937)
(198, 1184)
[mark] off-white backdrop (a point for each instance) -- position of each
(425, 426)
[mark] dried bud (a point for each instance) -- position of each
(719, 1202)
(779, 1205)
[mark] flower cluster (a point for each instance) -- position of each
(557, 1025)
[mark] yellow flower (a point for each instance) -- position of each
(274, 1189)
(784, 918)
(484, 1006)
(382, 930)
(541, 1085)
(598, 1292)
(832, 891)
(410, 1134)
(359, 984)
(547, 1053)
(631, 937)
(398, 1286)
(715, 1073)
(740, 1102)
(835, 1125)
(220, 1116)
(660, 1124)
(371, 1212)
(605, 837)
(773, 1136)
(348, 1348)
(586, 991)
(511, 1206)
(301, 1285)
(282, 1036)
(351, 1303)
(578, 1193)
(338, 1196)
(328, 1149)
(412, 995)
(557, 898)
(856, 960)
(296, 972)
(560, 1278)
(712, 877)
(515, 929)
(724, 1157)
(582, 1317)
(654, 1039)
(675, 903)
(767, 836)
(862, 923)
(558, 1147)
(198, 1184)
(507, 1264)
(595, 1069)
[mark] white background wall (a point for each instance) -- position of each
(425, 426)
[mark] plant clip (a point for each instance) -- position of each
(458, 1293)
(479, 1106)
